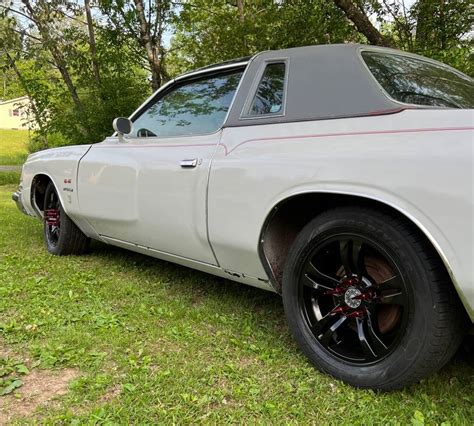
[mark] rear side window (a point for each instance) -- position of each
(270, 91)
(419, 82)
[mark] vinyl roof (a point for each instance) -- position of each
(322, 82)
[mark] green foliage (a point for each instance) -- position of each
(209, 32)
(11, 86)
(441, 30)
(10, 371)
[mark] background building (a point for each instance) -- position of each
(13, 113)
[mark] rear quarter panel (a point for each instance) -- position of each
(418, 161)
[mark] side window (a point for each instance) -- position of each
(195, 108)
(270, 91)
(415, 81)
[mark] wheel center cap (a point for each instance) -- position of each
(349, 297)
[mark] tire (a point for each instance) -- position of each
(368, 301)
(62, 236)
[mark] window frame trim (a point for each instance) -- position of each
(408, 55)
(245, 113)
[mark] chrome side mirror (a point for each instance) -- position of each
(122, 125)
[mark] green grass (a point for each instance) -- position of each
(155, 342)
(13, 146)
(9, 178)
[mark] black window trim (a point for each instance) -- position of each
(183, 81)
(408, 55)
(246, 113)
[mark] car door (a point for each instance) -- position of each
(150, 189)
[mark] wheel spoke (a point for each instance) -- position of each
(378, 345)
(391, 292)
(352, 257)
(322, 324)
(309, 282)
(364, 343)
(325, 336)
(358, 258)
(345, 250)
(392, 298)
(392, 283)
(314, 278)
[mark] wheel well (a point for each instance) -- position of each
(38, 189)
(289, 217)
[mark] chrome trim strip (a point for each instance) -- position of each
(164, 253)
(211, 70)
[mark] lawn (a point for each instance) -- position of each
(13, 147)
(117, 337)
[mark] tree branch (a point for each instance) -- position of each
(362, 23)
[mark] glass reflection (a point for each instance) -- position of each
(196, 108)
(269, 96)
(415, 81)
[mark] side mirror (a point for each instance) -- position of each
(122, 125)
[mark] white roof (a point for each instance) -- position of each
(22, 98)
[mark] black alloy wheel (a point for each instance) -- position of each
(62, 236)
(354, 299)
(52, 218)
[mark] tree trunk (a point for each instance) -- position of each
(362, 23)
(56, 53)
(240, 6)
(151, 47)
(36, 113)
(92, 44)
(442, 25)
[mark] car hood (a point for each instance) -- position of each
(61, 152)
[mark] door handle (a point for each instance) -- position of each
(188, 164)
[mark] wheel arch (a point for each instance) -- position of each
(291, 214)
(38, 187)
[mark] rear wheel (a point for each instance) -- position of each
(61, 235)
(368, 301)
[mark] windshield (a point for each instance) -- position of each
(415, 81)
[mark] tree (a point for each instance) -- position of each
(362, 22)
(212, 31)
(143, 24)
(79, 76)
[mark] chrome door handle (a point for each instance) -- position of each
(187, 164)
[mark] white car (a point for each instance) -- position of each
(339, 176)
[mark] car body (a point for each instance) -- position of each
(230, 197)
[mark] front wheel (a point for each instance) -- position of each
(368, 301)
(62, 236)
